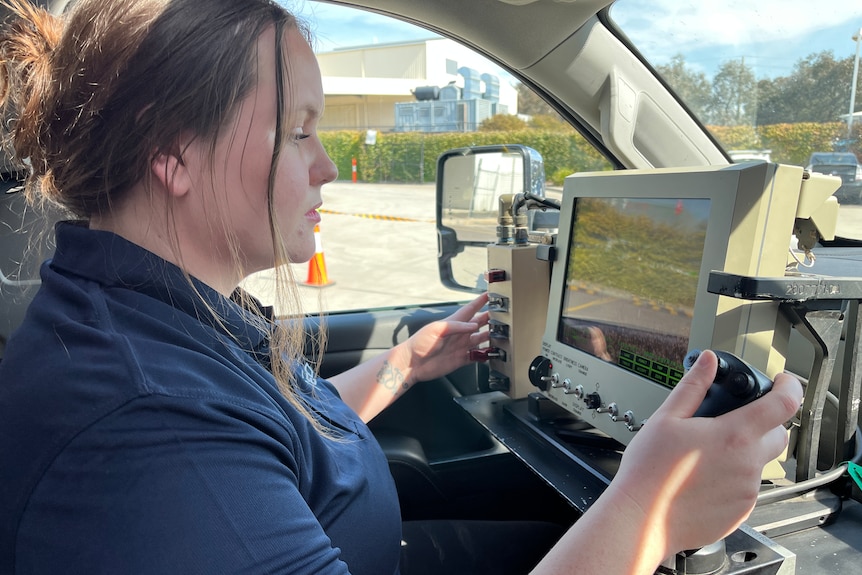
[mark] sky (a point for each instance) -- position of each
(772, 35)
(338, 27)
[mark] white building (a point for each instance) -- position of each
(362, 84)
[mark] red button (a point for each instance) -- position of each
(495, 275)
(485, 353)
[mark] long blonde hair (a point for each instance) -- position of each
(94, 94)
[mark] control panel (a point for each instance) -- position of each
(594, 394)
(518, 283)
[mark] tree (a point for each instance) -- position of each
(502, 123)
(734, 95)
(818, 90)
(532, 105)
(692, 87)
(553, 123)
(773, 107)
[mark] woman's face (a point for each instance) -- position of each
(231, 185)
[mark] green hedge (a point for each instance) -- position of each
(790, 143)
(411, 157)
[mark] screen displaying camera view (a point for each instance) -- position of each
(631, 282)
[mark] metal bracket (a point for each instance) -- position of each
(822, 309)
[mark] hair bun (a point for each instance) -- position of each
(27, 43)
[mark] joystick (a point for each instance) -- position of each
(736, 383)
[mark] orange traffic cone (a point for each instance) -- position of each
(317, 276)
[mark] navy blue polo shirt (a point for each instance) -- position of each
(140, 435)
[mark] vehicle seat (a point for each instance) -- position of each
(26, 239)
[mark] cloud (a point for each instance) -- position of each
(778, 32)
(740, 21)
(772, 35)
(339, 27)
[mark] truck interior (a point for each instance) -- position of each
(487, 442)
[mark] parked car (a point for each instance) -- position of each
(748, 155)
(844, 165)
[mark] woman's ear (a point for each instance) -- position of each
(170, 170)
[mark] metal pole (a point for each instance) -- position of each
(858, 38)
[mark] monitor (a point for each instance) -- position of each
(628, 292)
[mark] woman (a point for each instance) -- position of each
(153, 419)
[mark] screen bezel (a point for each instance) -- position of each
(750, 223)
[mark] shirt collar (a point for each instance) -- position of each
(113, 261)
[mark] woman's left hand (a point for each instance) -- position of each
(443, 346)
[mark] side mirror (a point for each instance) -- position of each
(470, 182)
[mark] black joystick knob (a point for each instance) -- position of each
(736, 384)
(741, 384)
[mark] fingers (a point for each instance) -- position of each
(688, 394)
(469, 310)
(775, 442)
(469, 319)
(472, 325)
(773, 409)
(481, 318)
(478, 338)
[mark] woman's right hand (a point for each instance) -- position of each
(683, 482)
(693, 480)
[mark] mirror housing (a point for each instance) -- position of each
(470, 183)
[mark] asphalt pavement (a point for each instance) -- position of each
(379, 247)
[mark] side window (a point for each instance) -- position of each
(393, 105)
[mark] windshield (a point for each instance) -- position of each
(771, 79)
(832, 159)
